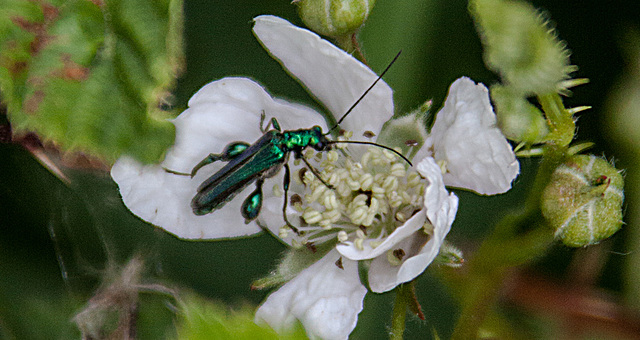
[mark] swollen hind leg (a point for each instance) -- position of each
(230, 152)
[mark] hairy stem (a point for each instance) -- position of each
(517, 239)
(399, 316)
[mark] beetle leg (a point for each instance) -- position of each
(176, 172)
(315, 173)
(208, 160)
(230, 152)
(285, 185)
(253, 203)
(272, 123)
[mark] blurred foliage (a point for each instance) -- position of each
(623, 113)
(57, 239)
(90, 76)
(201, 320)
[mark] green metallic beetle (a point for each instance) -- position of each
(249, 163)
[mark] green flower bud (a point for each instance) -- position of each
(407, 132)
(334, 18)
(583, 201)
(450, 256)
(521, 46)
(518, 119)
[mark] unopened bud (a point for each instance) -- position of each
(521, 45)
(583, 201)
(407, 132)
(518, 119)
(334, 18)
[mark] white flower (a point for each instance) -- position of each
(325, 298)
(377, 209)
(466, 142)
(229, 110)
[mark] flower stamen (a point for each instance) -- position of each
(367, 201)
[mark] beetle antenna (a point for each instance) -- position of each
(372, 143)
(364, 94)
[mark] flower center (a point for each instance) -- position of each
(368, 198)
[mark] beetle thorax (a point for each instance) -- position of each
(298, 140)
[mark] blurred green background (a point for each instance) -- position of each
(57, 240)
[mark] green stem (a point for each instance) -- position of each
(560, 120)
(349, 43)
(508, 246)
(399, 316)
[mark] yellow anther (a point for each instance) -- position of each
(443, 166)
(342, 236)
(308, 154)
(353, 185)
(311, 216)
(333, 179)
(332, 156)
(283, 232)
(390, 183)
(366, 181)
(368, 221)
(394, 199)
(358, 215)
(393, 259)
(428, 228)
(359, 201)
(375, 205)
(317, 192)
(390, 156)
(413, 179)
(398, 170)
(332, 215)
(375, 244)
(330, 201)
(378, 190)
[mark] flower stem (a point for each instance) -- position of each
(399, 316)
(349, 43)
(517, 239)
(560, 120)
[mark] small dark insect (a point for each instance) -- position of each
(368, 134)
(399, 253)
(411, 142)
(339, 263)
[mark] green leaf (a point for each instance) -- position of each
(90, 76)
(202, 319)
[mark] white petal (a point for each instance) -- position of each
(333, 76)
(163, 199)
(420, 249)
(441, 206)
(350, 251)
(415, 265)
(465, 136)
(383, 276)
(221, 112)
(325, 298)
